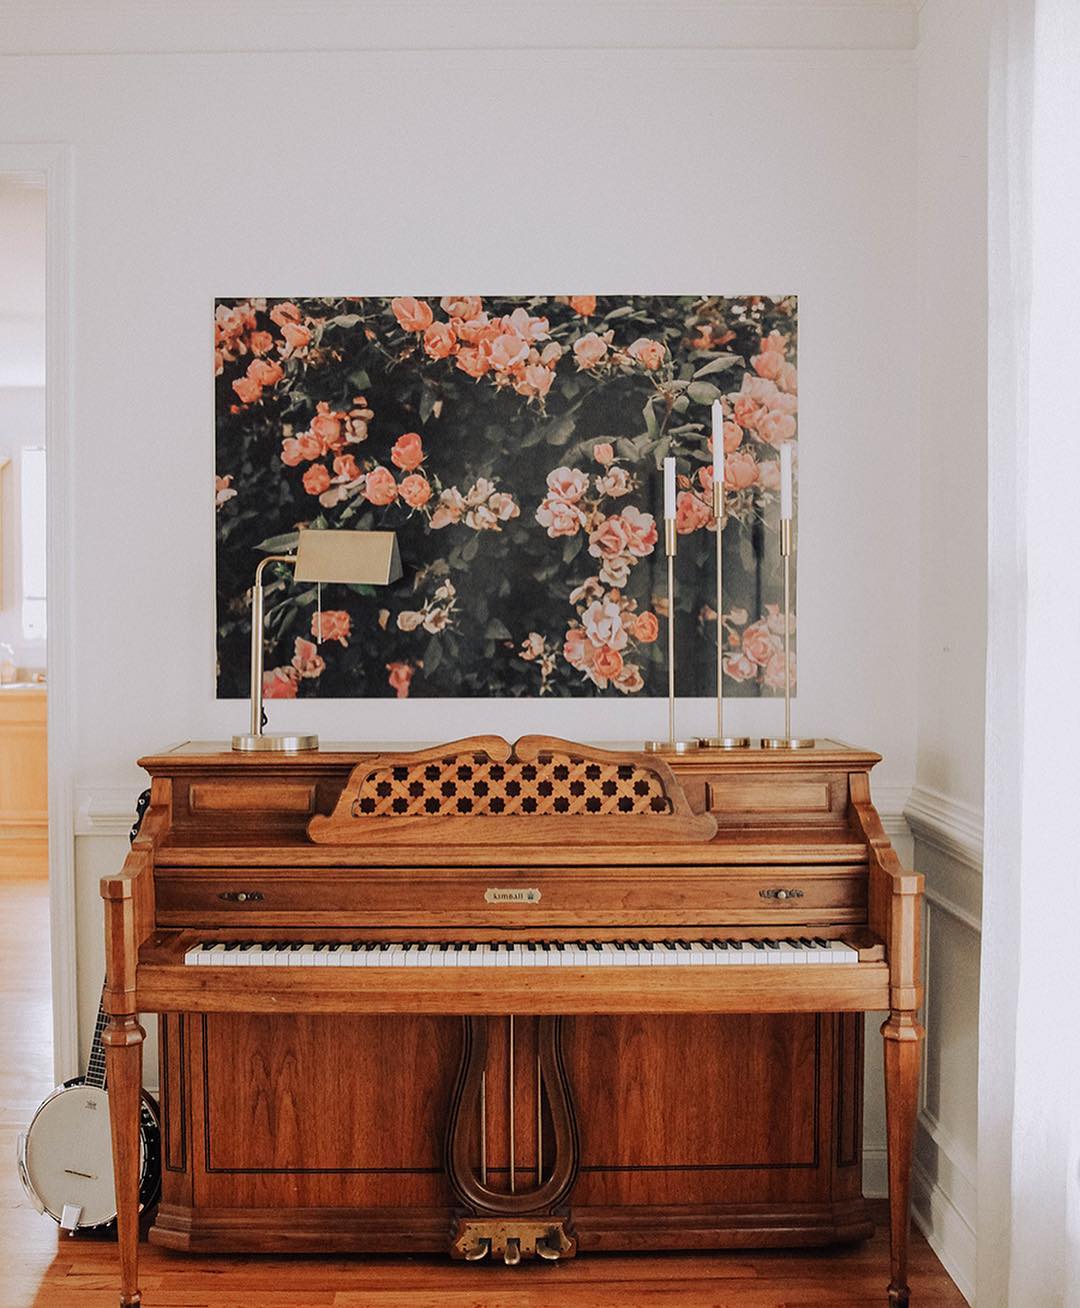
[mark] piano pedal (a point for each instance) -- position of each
(513, 1240)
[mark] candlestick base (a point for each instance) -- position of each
(724, 742)
(788, 742)
(671, 746)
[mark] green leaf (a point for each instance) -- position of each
(428, 398)
(721, 363)
(572, 546)
(432, 656)
(344, 320)
(359, 379)
(274, 544)
(651, 424)
(703, 392)
(496, 630)
(623, 311)
(470, 548)
(663, 449)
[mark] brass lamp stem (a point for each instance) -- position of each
(670, 539)
(720, 741)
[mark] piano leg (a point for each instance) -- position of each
(903, 1041)
(123, 1041)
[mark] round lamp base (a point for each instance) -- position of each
(788, 742)
(283, 744)
(724, 742)
(670, 746)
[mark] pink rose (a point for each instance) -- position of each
(280, 683)
(630, 680)
(412, 314)
(767, 365)
(577, 650)
(567, 484)
(775, 428)
(523, 324)
(298, 449)
(408, 452)
(646, 628)
(551, 354)
(609, 539)
(614, 482)
(316, 479)
(503, 506)
(589, 350)
(223, 490)
(740, 469)
(449, 510)
(604, 452)
(296, 337)
(345, 466)
(476, 330)
(267, 372)
(261, 343)
(759, 643)
(774, 343)
(415, 490)
(307, 660)
(559, 517)
(691, 513)
(585, 305)
(507, 352)
(769, 474)
(788, 378)
(535, 381)
(380, 487)
(247, 389)
(640, 529)
(331, 624)
(774, 672)
(439, 340)
(608, 662)
(460, 306)
(739, 668)
(471, 360)
(649, 353)
(400, 678)
(603, 624)
(285, 312)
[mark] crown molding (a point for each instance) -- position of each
(947, 824)
(104, 27)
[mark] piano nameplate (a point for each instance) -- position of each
(509, 895)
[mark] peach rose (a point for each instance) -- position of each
(507, 351)
(608, 662)
(559, 517)
(408, 452)
(280, 683)
(261, 343)
(503, 506)
(640, 531)
(247, 389)
(345, 466)
(285, 312)
(297, 449)
(449, 510)
(536, 381)
(523, 324)
(585, 305)
(788, 378)
(331, 624)
(326, 426)
(691, 513)
(740, 469)
(296, 337)
(739, 668)
(307, 660)
(774, 672)
(415, 490)
(759, 643)
(476, 330)
(223, 490)
(614, 482)
(589, 350)
(774, 343)
(630, 680)
(316, 479)
(603, 452)
(471, 360)
(769, 474)
(567, 484)
(577, 650)
(439, 340)
(400, 678)
(219, 363)
(267, 372)
(380, 487)
(412, 314)
(649, 353)
(646, 628)
(608, 540)
(551, 354)
(460, 306)
(776, 428)
(767, 365)
(603, 624)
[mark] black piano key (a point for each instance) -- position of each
(444, 946)
(472, 946)
(668, 944)
(320, 945)
(683, 944)
(806, 942)
(735, 944)
(357, 945)
(708, 944)
(371, 946)
(233, 944)
(295, 945)
(531, 946)
(384, 945)
(595, 944)
(772, 944)
(422, 946)
(756, 943)
(647, 944)
(822, 944)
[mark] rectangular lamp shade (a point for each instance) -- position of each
(358, 557)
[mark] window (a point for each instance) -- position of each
(32, 521)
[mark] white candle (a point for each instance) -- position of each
(717, 441)
(786, 451)
(669, 488)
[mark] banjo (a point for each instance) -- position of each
(65, 1155)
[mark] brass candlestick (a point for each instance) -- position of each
(671, 745)
(720, 741)
(787, 741)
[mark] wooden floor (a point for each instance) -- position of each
(40, 1270)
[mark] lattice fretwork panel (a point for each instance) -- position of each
(557, 785)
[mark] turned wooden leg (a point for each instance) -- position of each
(123, 1041)
(903, 1040)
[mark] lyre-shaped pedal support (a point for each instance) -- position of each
(519, 1223)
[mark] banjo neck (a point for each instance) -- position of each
(95, 1066)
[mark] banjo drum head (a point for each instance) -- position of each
(69, 1154)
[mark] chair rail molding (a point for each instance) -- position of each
(949, 825)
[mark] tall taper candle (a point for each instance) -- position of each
(669, 488)
(786, 451)
(717, 441)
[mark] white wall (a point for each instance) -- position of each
(945, 809)
(22, 423)
(606, 168)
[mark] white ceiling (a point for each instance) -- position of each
(22, 282)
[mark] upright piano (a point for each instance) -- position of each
(510, 1002)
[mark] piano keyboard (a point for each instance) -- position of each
(532, 953)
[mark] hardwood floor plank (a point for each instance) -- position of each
(39, 1269)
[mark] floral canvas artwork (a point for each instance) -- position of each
(514, 444)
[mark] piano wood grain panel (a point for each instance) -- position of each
(250, 796)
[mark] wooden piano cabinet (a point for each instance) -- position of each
(326, 1133)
